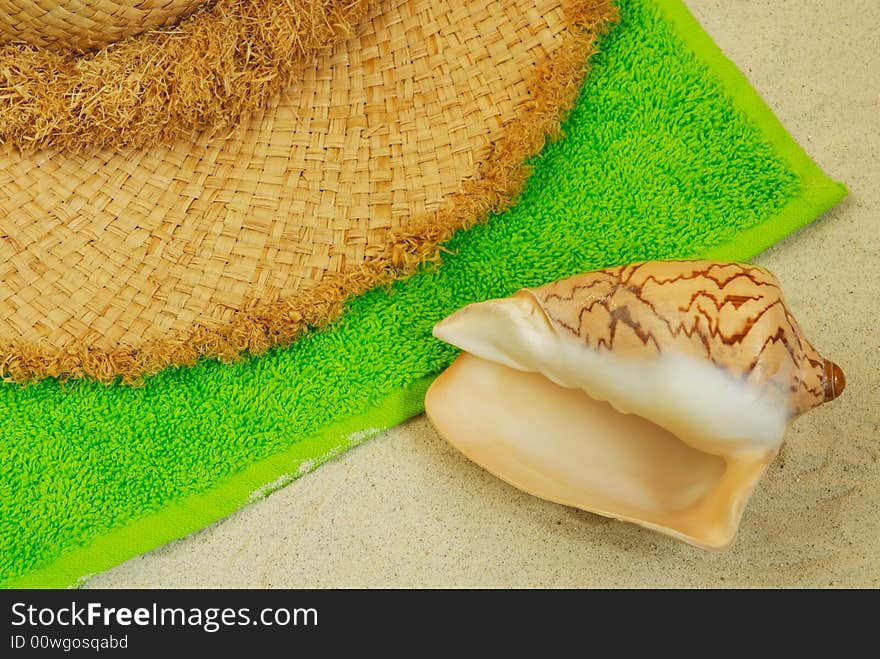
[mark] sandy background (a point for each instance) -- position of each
(406, 510)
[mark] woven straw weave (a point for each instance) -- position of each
(85, 24)
(116, 250)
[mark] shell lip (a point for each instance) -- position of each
(702, 404)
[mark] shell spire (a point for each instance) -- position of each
(834, 382)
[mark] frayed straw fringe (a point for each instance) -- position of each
(202, 74)
(259, 327)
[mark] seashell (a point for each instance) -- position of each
(655, 393)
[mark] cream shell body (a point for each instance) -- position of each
(655, 393)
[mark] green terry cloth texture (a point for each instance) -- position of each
(668, 153)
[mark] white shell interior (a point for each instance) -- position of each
(560, 444)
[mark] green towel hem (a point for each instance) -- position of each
(257, 481)
(818, 194)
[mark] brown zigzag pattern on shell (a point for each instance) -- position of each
(682, 307)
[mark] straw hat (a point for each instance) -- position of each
(182, 179)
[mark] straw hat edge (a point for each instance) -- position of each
(261, 326)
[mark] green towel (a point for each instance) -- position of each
(668, 153)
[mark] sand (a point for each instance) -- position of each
(407, 510)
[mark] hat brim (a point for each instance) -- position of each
(226, 60)
(120, 262)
